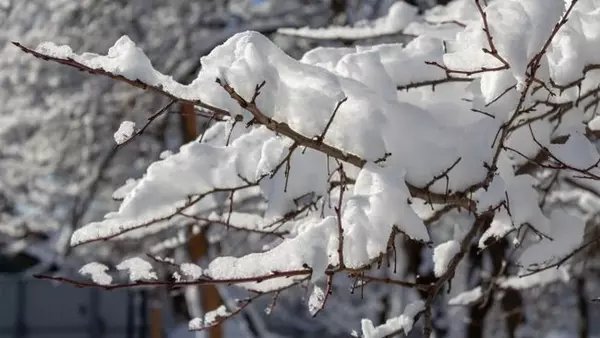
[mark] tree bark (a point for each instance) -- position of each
(582, 306)
(156, 327)
(479, 310)
(512, 307)
(511, 301)
(413, 250)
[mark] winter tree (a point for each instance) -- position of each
(458, 170)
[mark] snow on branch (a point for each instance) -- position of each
(98, 273)
(124, 62)
(125, 132)
(461, 179)
(399, 16)
(138, 269)
(402, 323)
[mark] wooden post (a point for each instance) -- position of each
(198, 245)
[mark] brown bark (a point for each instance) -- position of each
(413, 250)
(198, 245)
(512, 307)
(156, 328)
(480, 310)
(582, 307)
(511, 300)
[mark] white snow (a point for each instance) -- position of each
(403, 323)
(309, 248)
(399, 16)
(123, 58)
(521, 192)
(316, 301)
(380, 200)
(97, 272)
(566, 233)
(594, 124)
(125, 189)
(138, 269)
(125, 132)
(191, 270)
(442, 255)
(467, 297)
(500, 226)
(538, 279)
(210, 318)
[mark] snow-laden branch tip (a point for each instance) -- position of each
(443, 254)
(125, 132)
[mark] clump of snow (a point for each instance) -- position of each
(519, 30)
(566, 234)
(164, 154)
(191, 270)
(125, 189)
(379, 201)
(97, 272)
(521, 192)
(123, 58)
(316, 300)
(309, 248)
(594, 124)
(500, 226)
(404, 322)
(578, 152)
(125, 132)
(404, 64)
(210, 318)
(467, 297)
(445, 22)
(442, 256)
(195, 170)
(138, 269)
(176, 276)
(51, 49)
